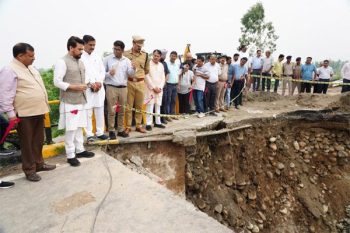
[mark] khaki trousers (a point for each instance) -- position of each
(114, 95)
(31, 136)
(220, 95)
(135, 98)
(296, 85)
(285, 82)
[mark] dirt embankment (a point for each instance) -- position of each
(283, 175)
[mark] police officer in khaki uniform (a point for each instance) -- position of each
(136, 84)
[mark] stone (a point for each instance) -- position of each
(325, 209)
(272, 139)
(252, 194)
(280, 166)
(250, 226)
(296, 145)
(136, 160)
(343, 154)
(302, 144)
(262, 216)
(218, 208)
(292, 165)
(312, 229)
(273, 146)
(185, 138)
(261, 226)
(269, 174)
(339, 148)
(283, 211)
(201, 204)
(255, 229)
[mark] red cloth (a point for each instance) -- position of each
(12, 123)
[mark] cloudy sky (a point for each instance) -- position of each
(306, 27)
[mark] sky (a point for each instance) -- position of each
(320, 29)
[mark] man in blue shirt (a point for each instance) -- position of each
(308, 72)
(240, 73)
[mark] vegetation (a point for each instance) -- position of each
(53, 94)
(256, 33)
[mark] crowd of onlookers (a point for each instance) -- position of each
(129, 80)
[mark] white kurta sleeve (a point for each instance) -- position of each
(59, 72)
(148, 81)
(101, 71)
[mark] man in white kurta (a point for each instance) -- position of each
(69, 77)
(95, 94)
(155, 81)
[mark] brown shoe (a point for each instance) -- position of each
(46, 167)
(140, 129)
(127, 131)
(33, 177)
(223, 110)
(217, 110)
(168, 119)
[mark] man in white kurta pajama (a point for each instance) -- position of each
(69, 77)
(155, 81)
(95, 93)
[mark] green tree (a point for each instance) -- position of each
(256, 33)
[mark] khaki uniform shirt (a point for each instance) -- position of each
(141, 62)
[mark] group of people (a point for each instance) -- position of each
(127, 80)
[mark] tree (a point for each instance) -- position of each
(257, 33)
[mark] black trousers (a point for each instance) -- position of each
(268, 82)
(322, 88)
(184, 103)
(256, 80)
(237, 93)
(210, 96)
(277, 82)
(305, 87)
(345, 88)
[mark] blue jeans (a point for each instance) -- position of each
(228, 96)
(171, 98)
(198, 97)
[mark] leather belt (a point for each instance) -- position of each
(135, 79)
(121, 86)
(222, 80)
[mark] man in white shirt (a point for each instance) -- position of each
(266, 70)
(256, 66)
(117, 70)
(325, 74)
(171, 83)
(69, 77)
(210, 85)
(200, 75)
(95, 95)
(345, 74)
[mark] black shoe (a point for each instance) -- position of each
(159, 126)
(112, 135)
(90, 139)
(236, 107)
(74, 162)
(6, 184)
(85, 154)
(123, 134)
(103, 137)
(164, 121)
(213, 114)
(148, 128)
(6, 152)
